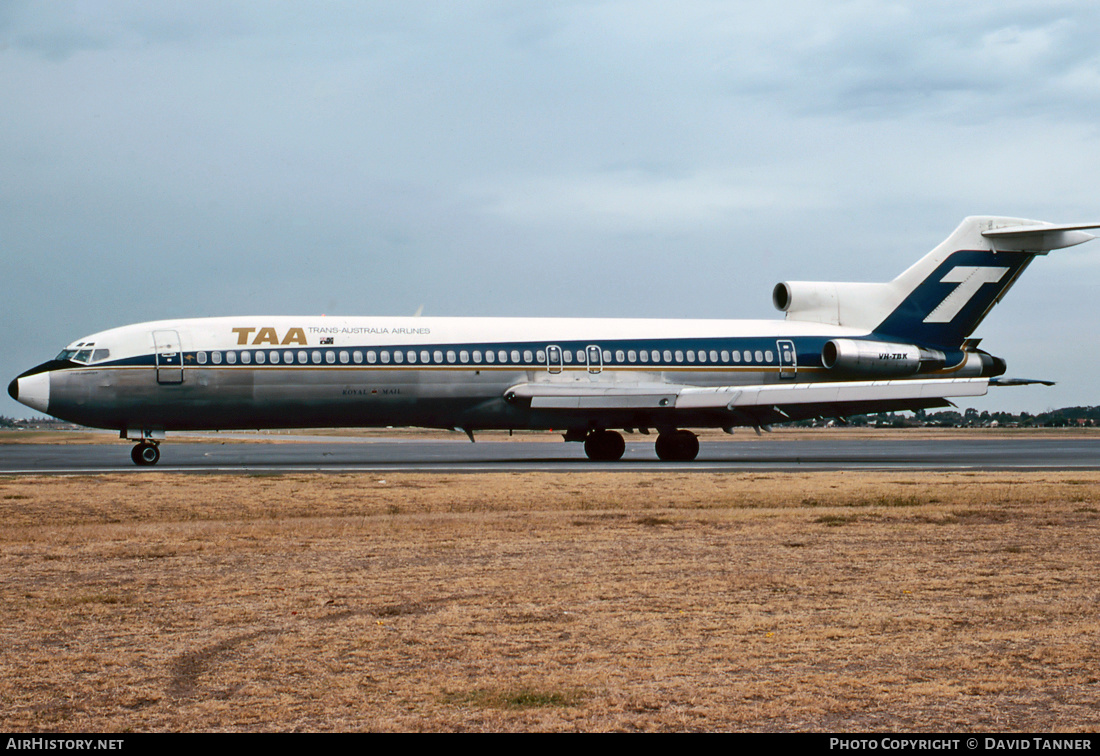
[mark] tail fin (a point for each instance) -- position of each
(941, 299)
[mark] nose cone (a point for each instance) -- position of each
(32, 390)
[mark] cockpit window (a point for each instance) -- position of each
(83, 355)
(100, 354)
(66, 354)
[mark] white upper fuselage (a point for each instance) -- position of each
(230, 333)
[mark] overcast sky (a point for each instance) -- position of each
(651, 159)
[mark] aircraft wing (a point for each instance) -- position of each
(823, 397)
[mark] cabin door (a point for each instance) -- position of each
(788, 358)
(553, 358)
(595, 358)
(169, 356)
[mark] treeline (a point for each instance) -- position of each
(1066, 417)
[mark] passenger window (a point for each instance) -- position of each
(768, 356)
(424, 356)
(216, 358)
(437, 356)
(231, 358)
(644, 355)
(463, 356)
(398, 356)
(540, 356)
(736, 356)
(656, 356)
(748, 356)
(490, 355)
(515, 356)
(372, 357)
(668, 356)
(303, 357)
(527, 356)
(202, 358)
(385, 355)
(274, 357)
(330, 356)
(759, 356)
(502, 356)
(567, 355)
(631, 355)
(679, 356)
(357, 356)
(343, 358)
(477, 356)
(261, 358)
(691, 355)
(411, 356)
(246, 358)
(451, 355)
(288, 357)
(315, 357)
(714, 356)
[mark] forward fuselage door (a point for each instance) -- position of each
(788, 358)
(169, 356)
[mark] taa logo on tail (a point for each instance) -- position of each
(969, 279)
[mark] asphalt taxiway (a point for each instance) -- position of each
(454, 456)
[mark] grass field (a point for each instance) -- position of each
(830, 601)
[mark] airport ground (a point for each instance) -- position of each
(837, 601)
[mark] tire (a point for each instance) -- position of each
(145, 454)
(604, 446)
(677, 446)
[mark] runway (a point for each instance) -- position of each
(380, 455)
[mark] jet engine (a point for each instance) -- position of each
(879, 358)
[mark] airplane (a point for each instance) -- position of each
(843, 349)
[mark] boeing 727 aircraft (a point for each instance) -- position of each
(843, 349)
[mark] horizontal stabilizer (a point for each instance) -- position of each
(1040, 237)
(1018, 382)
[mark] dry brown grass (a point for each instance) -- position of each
(831, 601)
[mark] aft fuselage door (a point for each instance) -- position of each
(788, 358)
(169, 356)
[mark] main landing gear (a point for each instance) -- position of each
(671, 446)
(677, 446)
(145, 454)
(604, 446)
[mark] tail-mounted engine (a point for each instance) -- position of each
(884, 359)
(880, 358)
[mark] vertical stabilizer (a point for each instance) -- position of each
(942, 298)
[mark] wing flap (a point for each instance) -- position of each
(668, 396)
(779, 395)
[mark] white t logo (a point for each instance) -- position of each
(969, 279)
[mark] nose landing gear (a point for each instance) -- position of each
(145, 454)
